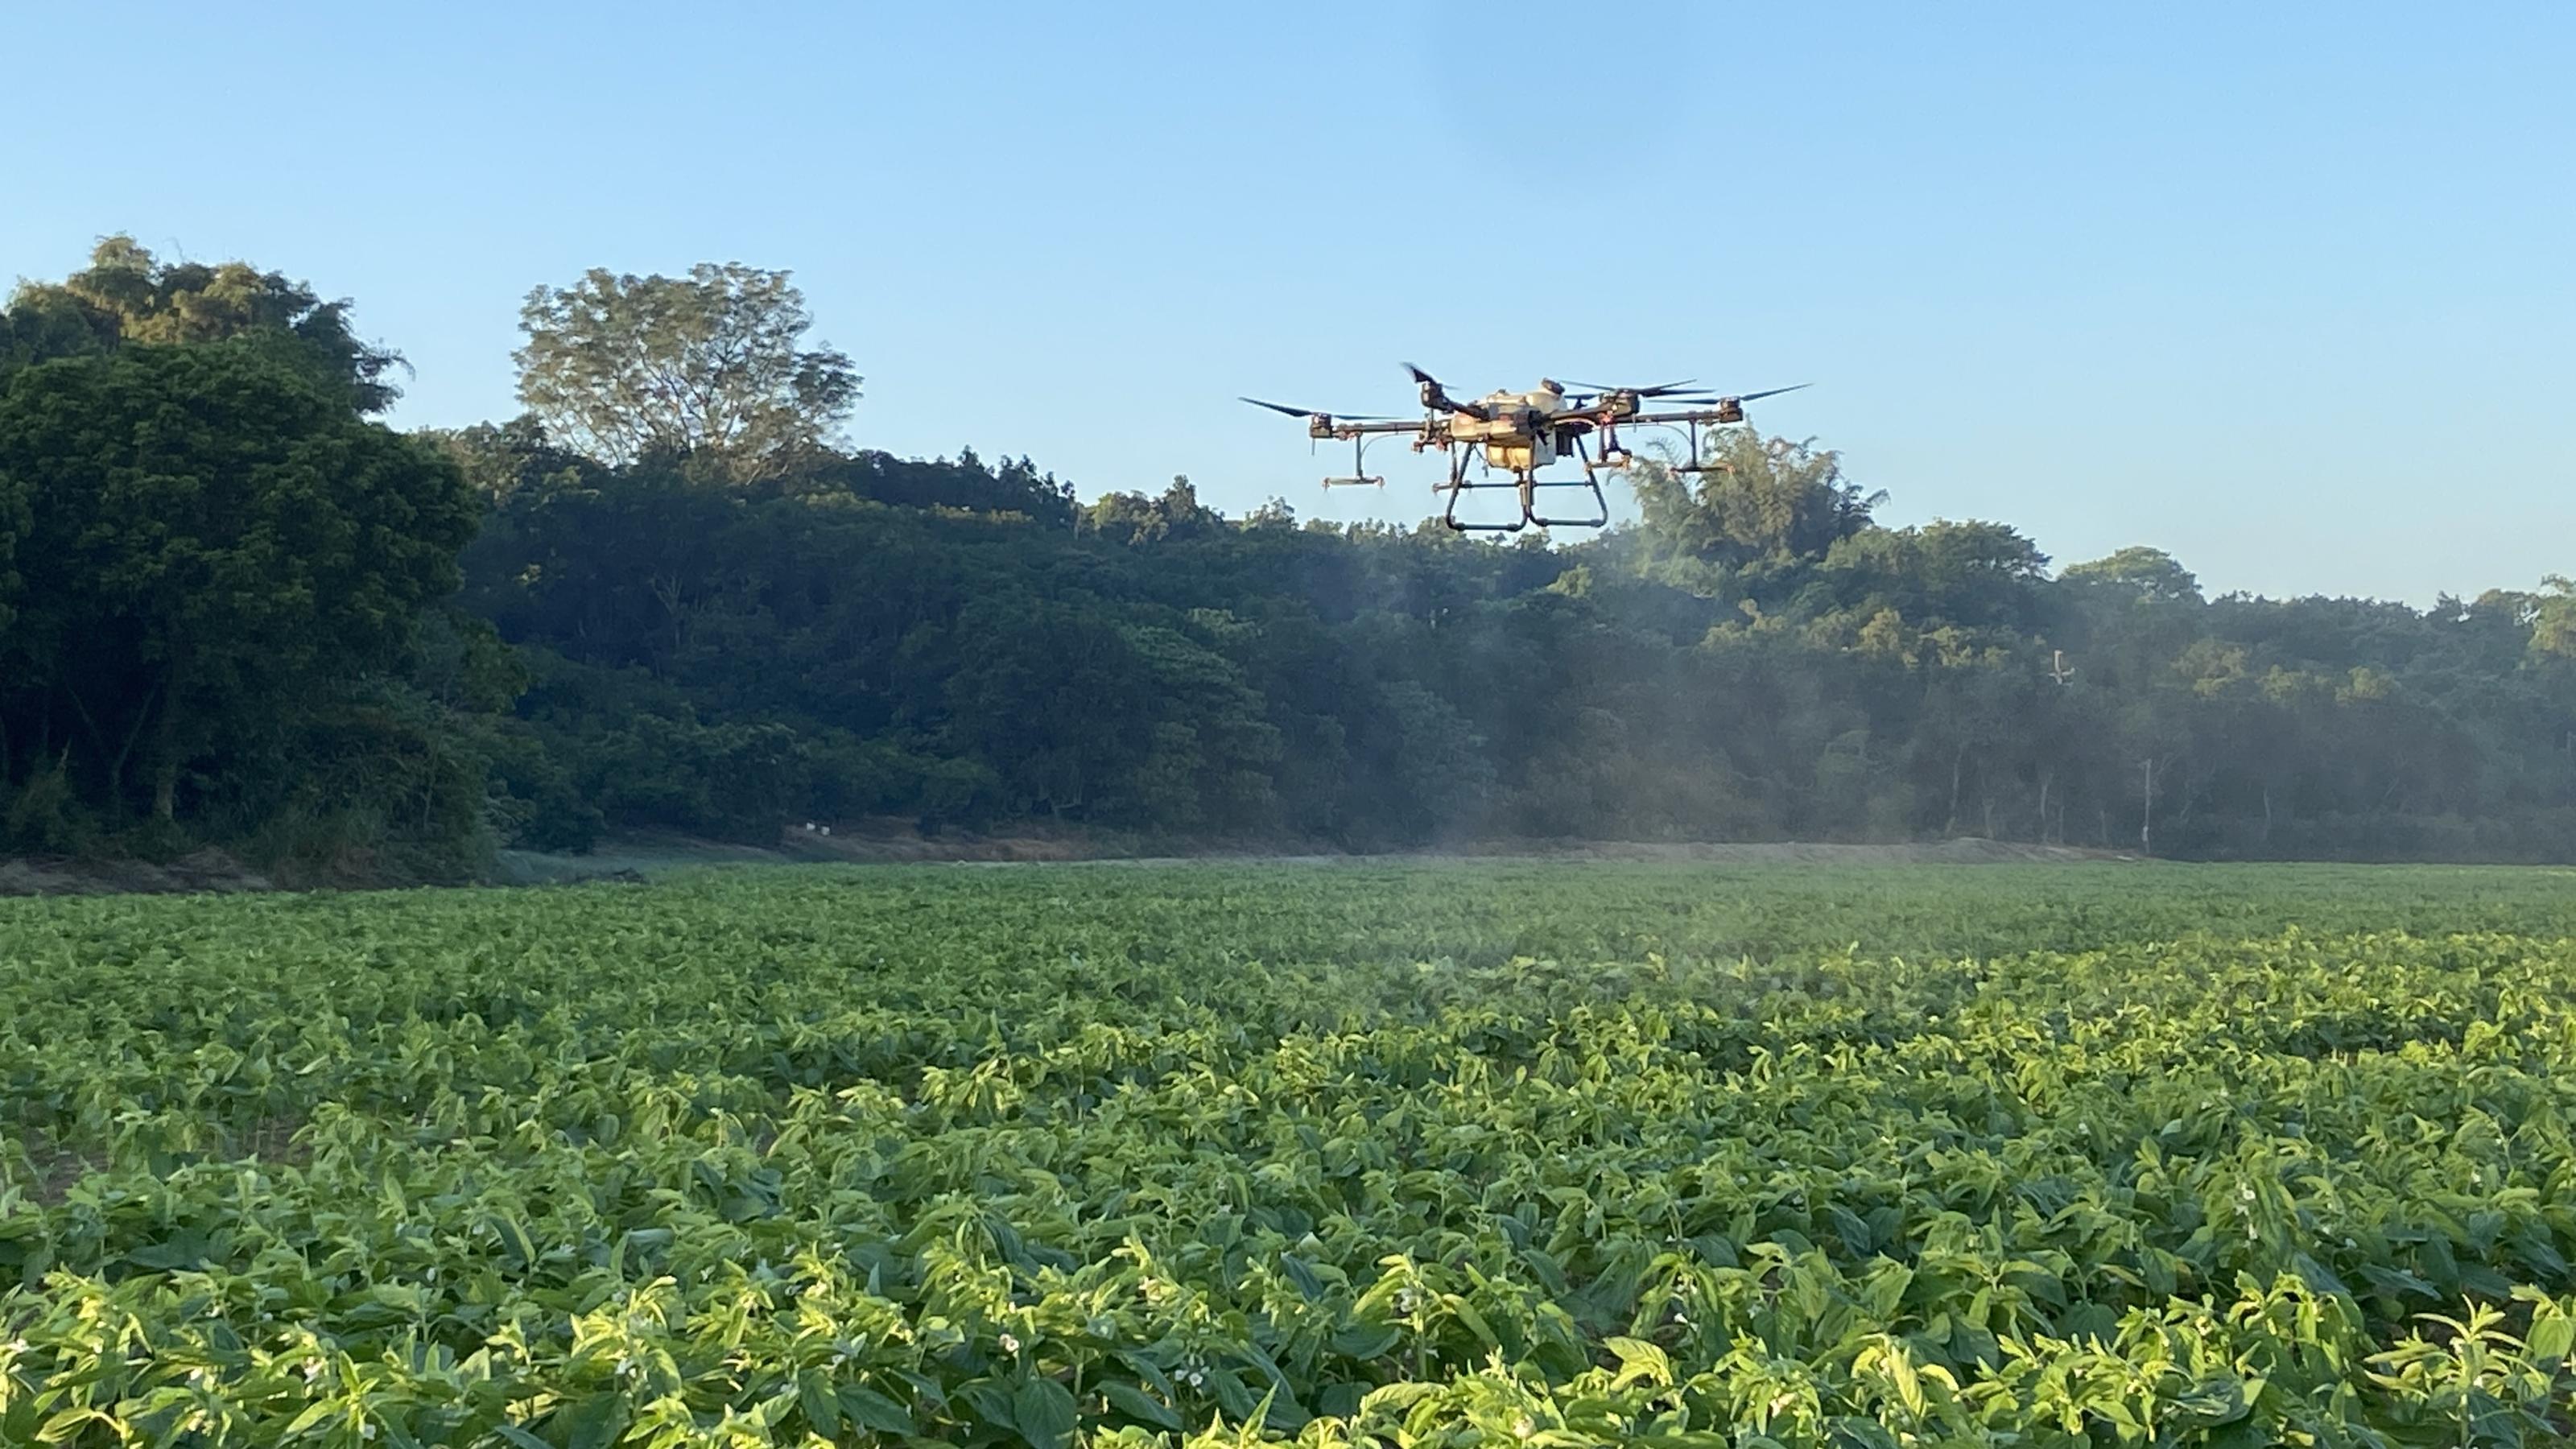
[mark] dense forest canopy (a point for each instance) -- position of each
(236, 607)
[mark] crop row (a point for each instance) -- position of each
(1226, 1155)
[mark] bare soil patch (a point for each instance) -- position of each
(639, 858)
(194, 873)
(1947, 852)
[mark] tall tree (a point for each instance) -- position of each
(1135, 518)
(211, 532)
(1757, 499)
(709, 366)
(2140, 573)
(2553, 624)
(127, 296)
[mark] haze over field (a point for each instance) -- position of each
(838, 427)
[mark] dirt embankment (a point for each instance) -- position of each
(647, 855)
(1964, 851)
(199, 871)
(1947, 852)
(886, 845)
(643, 857)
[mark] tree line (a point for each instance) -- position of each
(237, 607)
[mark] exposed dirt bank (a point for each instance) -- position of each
(642, 857)
(203, 870)
(1948, 852)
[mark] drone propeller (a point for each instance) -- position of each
(1436, 396)
(1658, 390)
(1713, 399)
(1311, 413)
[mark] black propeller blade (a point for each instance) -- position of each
(1436, 396)
(1311, 413)
(1733, 397)
(1657, 390)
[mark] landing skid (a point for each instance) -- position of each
(1526, 487)
(1526, 484)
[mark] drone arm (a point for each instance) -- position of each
(1734, 414)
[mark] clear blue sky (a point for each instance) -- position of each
(2284, 289)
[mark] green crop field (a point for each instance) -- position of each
(1451, 1154)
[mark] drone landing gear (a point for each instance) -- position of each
(1525, 484)
(1527, 487)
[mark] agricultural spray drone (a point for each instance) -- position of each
(1519, 433)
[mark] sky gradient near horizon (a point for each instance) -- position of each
(2286, 290)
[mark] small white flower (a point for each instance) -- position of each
(2246, 1193)
(1010, 1344)
(1193, 1378)
(1522, 1428)
(366, 1431)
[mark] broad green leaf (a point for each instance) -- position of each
(1137, 1404)
(1302, 1273)
(1043, 1411)
(1366, 1341)
(820, 1401)
(869, 1409)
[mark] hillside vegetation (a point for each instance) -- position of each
(673, 596)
